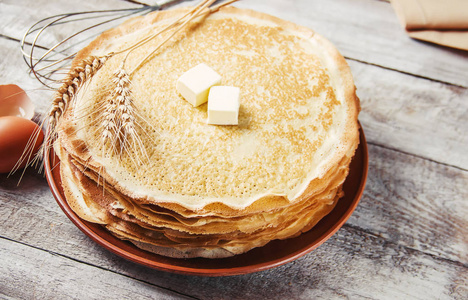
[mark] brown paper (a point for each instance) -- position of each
(443, 22)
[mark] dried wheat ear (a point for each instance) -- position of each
(119, 117)
(74, 80)
(62, 99)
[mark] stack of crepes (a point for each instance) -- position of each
(204, 190)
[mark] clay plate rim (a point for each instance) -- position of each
(274, 254)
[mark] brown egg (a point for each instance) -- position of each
(15, 132)
(15, 102)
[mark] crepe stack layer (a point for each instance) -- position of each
(205, 190)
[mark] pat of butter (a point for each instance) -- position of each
(195, 84)
(223, 105)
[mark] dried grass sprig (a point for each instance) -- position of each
(120, 119)
(74, 80)
(119, 116)
(119, 132)
(63, 98)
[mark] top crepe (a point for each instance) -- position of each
(297, 120)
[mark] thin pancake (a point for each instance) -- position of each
(214, 191)
(297, 120)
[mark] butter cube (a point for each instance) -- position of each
(223, 105)
(195, 84)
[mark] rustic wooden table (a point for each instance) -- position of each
(407, 239)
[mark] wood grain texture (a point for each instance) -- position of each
(408, 238)
(13, 70)
(363, 30)
(28, 273)
(412, 114)
(415, 203)
(18, 16)
(350, 265)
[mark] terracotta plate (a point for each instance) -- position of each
(273, 254)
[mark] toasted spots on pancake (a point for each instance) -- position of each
(289, 106)
(213, 191)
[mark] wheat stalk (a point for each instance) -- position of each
(74, 80)
(62, 100)
(119, 116)
(119, 119)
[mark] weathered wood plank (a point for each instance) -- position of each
(13, 70)
(407, 238)
(415, 203)
(364, 30)
(28, 273)
(351, 265)
(17, 18)
(412, 114)
(397, 243)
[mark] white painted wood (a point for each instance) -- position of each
(413, 114)
(28, 273)
(350, 265)
(17, 16)
(415, 203)
(13, 70)
(406, 239)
